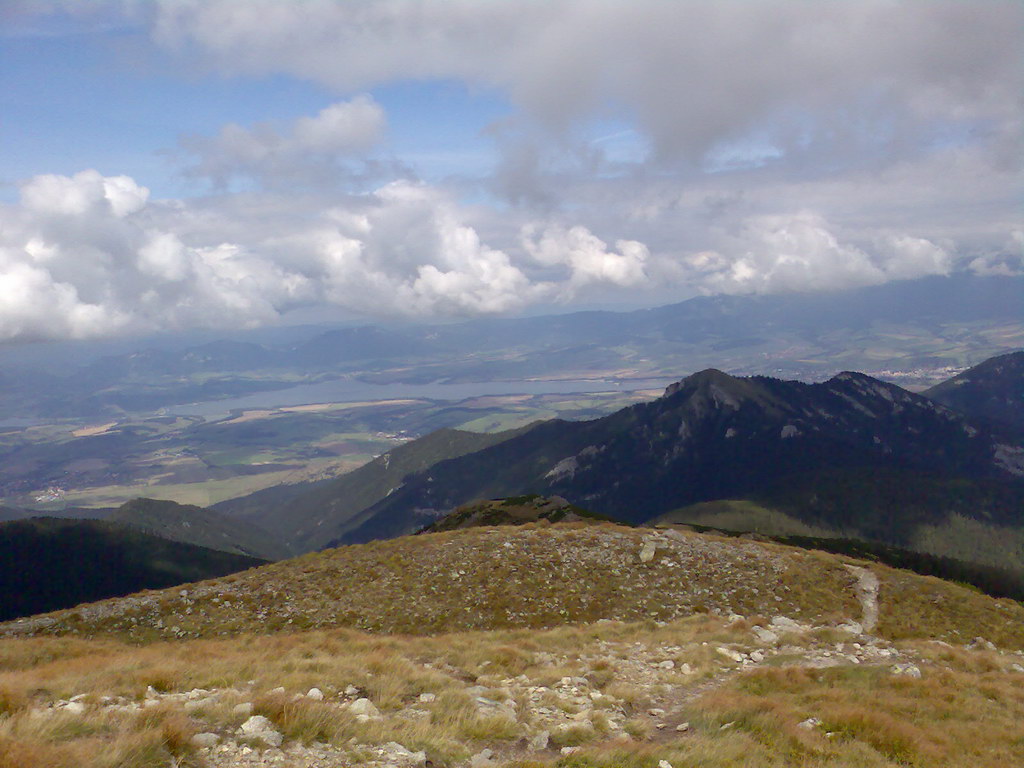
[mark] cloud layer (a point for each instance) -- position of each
(90, 255)
(755, 147)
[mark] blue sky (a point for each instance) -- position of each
(177, 164)
(80, 98)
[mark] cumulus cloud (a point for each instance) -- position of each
(587, 257)
(87, 256)
(311, 150)
(800, 252)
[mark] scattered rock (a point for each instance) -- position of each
(315, 694)
(259, 727)
(729, 653)
(540, 741)
(909, 670)
(481, 759)
(242, 710)
(647, 551)
(205, 740)
(364, 707)
(683, 727)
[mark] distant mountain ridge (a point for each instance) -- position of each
(927, 324)
(710, 436)
(201, 527)
(991, 393)
(47, 564)
(319, 513)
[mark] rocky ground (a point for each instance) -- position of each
(536, 717)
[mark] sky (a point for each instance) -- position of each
(181, 164)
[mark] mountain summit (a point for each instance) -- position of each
(710, 436)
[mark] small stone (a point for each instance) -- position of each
(481, 759)
(647, 552)
(655, 712)
(242, 710)
(351, 690)
(315, 694)
(205, 740)
(279, 691)
(74, 708)
(730, 654)
(664, 764)
(427, 698)
(766, 636)
(569, 750)
(540, 741)
(364, 707)
(809, 723)
(667, 664)
(260, 727)
(683, 727)
(757, 656)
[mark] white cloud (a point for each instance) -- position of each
(586, 256)
(87, 256)
(313, 149)
(800, 252)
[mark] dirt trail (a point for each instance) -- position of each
(867, 593)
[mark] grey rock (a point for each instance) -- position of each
(259, 727)
(364, 707)
(205, 740)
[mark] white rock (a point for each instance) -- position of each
(279, 691)
(260, 727)
(569, 750)
(757, 656)
(647, 551)
(664, 764)
(667, 664)
(809, 724)
(351, 690)
(73, 708)
(910, 670)
(363, 707)
(427, 698)
(683, 727)
(787, 624)
(242, 710)
(315, 694)
(730, 654)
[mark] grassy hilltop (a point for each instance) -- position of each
(575, 645)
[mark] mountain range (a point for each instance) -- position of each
(850, 457)
(914, 329)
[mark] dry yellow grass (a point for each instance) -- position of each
(966, 709)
